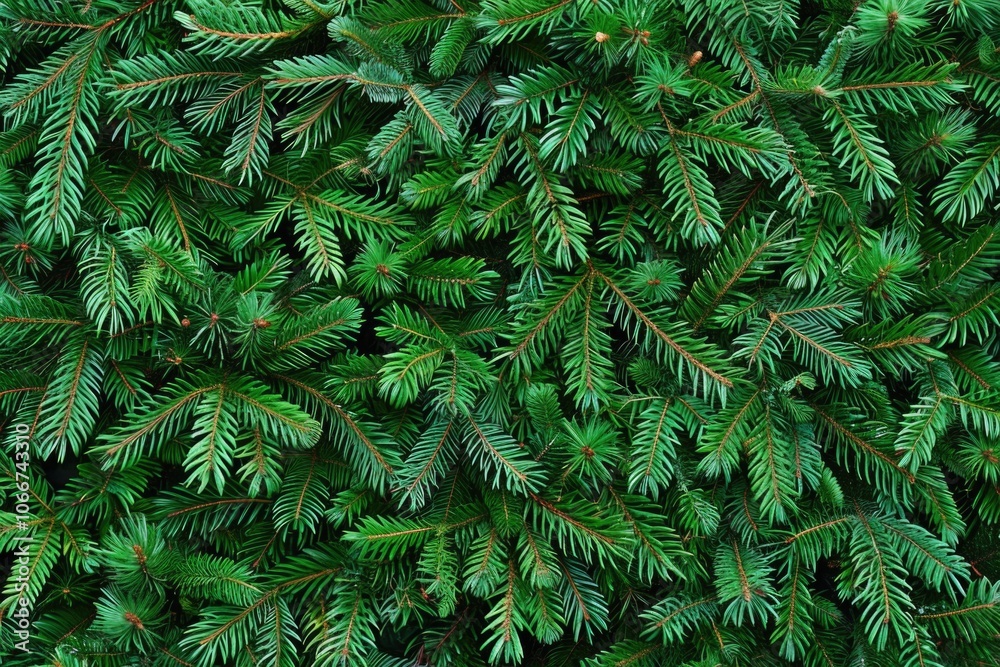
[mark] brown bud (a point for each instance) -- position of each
(140, 555)
(602, 37)
(694, 59)
(261, 323)
(891, 19)
(185, 322)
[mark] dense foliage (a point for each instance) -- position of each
(444, 332)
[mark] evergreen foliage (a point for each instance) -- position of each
(458, 332)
